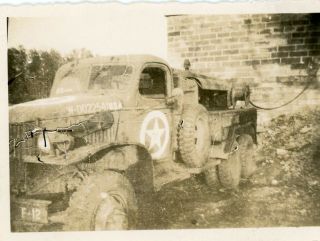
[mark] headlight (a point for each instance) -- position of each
(44, 143)
(62, 142)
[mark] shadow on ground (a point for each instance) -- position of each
(285, 190)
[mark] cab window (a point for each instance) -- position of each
(153, 82)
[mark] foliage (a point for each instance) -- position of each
(31, 72)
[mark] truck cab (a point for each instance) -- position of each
(111, 123)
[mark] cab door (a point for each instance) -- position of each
(155, 127)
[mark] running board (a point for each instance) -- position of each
(168, 172)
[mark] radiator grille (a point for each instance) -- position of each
(101, 136)
(16, 133)
(17, 167)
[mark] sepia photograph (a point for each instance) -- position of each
(167, 121)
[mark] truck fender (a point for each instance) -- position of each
(222, 149)
(249, 129)
(230, 139)
(134, 162)
(235, 131)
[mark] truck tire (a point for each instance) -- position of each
(229, 170)
(211, 177)
(194, 136)
(104, 201)
(247, 157)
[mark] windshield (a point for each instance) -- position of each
(111, 77)
(95, 77)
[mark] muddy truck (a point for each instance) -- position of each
(113, 131)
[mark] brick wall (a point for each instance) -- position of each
(269, 51)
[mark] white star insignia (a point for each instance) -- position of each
(155, 135)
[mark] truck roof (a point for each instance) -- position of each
(205, 82)
(133, 59)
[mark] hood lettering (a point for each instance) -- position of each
(93, 107)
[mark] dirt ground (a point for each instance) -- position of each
(283, 192)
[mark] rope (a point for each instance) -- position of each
(287, 103)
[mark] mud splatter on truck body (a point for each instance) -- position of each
(121, 119)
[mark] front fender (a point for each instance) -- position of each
(89, 153)
(72, 157)
(134, 162)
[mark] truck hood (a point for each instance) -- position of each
(57, 107)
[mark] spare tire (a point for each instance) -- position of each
(194, 136)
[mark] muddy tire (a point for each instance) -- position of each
(247, 155)
(104, 201)
(194, 136)
(229, 170)
(211, 177)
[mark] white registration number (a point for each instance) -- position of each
(32, 214)
(31, 210)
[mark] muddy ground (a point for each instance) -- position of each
(283, 192)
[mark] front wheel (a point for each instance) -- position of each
(110, 214)
(104, 201)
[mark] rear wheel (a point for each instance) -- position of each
(194, 136)
(229, 170)
(247, 155)
(211, 176)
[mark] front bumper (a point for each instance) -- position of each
(29, 214)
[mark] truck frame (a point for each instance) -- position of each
(109, 125)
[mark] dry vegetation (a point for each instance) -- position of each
(285, 190)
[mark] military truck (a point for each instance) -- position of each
(110, 124)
